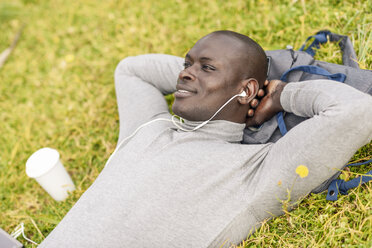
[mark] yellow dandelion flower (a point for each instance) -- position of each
(280, 183)
(69, 58)
(302, 171)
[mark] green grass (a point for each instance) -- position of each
(57, 90)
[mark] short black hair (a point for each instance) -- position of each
(256, 59)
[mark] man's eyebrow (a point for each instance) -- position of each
(205, 58)
(188, 56)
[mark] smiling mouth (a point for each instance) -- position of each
(183, 93)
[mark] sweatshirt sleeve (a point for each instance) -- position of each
(140, 83)
(340, 123)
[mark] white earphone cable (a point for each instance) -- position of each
(20, 229)
(135, 131)
(178, 125)
(204, 122)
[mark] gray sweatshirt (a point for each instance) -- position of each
(168, 188)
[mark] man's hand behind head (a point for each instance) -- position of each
(267, 103)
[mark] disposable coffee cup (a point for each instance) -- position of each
(46, 168)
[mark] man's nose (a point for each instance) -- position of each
(186, 75)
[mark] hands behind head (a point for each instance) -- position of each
(266, 104)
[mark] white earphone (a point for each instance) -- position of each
(243, 94)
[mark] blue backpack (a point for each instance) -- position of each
(294, 66)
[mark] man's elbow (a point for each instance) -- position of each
(124, 68)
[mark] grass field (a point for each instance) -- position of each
(57, 90)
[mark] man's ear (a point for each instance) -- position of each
(251, 87)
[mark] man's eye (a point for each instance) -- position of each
(208, 68)
(186, 64)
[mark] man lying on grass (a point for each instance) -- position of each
(197, 185)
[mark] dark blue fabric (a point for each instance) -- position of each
(281, 124)
(314, 70)
(319, 38)
(340, 186)
(309, 69)
(361, 163)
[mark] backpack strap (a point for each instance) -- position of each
(319, 38)
(349, 57)
(340, 186)
(281, 124)
(340, 77)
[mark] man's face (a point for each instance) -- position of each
(213, 68)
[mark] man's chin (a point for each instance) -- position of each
(176, 109)
(181, 112)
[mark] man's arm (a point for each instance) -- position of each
(340, 123)
(140, 84)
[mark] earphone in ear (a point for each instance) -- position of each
(243, 94)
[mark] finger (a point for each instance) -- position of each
(266, 83)
(254, 103)
(251, 122)
(250, 112)
(261, 93)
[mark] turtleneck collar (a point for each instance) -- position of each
(221, 129)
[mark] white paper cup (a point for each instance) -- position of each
(46, 168)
